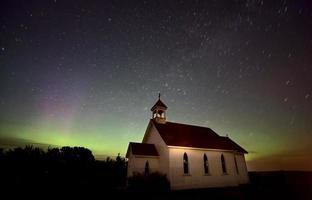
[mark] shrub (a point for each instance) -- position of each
(154, 182)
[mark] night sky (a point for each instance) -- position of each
(86, 73)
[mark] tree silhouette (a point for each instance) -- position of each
(154, 182)
(64, 168)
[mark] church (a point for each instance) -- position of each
(190, 156)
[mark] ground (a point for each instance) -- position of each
(264, 185)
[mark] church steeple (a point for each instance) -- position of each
(159, 111)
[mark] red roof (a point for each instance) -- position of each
(143, 149)
(159, 103)
(175, 134)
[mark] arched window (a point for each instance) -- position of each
(236, 167)
(206, 165)
(185, 164)
(223, 164)
(146, 168)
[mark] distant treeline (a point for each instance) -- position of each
(62, 168)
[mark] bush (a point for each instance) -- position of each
(154, 182)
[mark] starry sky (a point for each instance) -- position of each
(86, 73)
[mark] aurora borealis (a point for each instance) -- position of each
(86, 73)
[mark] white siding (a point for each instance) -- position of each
(170, 162)
(152, 137)
(136, 164)
(196, 177)
(242, 168)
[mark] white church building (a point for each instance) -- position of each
(191, 156)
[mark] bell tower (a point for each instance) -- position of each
(159, 111)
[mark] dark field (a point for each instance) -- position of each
(74, 173)
(281, 185)
(264, 185)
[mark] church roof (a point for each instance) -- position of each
(159, 103)
(143, 149)
(175, 134)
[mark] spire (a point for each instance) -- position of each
(159, 96)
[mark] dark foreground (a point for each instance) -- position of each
(264, 185)
(73, 173)
(282, 185)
